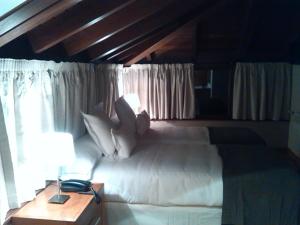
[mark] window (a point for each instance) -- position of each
(6, 6)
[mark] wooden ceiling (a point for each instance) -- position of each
(153, 31)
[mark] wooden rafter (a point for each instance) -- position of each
(141, 44)
(73, 21)
(141, 29)
(113, 24)
(193, 19)
(31, 15)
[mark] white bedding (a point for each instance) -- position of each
(132, 214)
(164, 174)
(164, 132)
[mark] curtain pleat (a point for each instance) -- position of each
(73, 86)
(136, 79)
(166, 91)
(109, 75)
(8, 192)
(262, 91)
(37, 97)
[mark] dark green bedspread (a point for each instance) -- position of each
(234, 135)
(261, 186)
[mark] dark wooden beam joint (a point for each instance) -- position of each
(30, 16)
(88, 13)
(192, 19)
(113, 24)
(142, 29)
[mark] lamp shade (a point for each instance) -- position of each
(53, 151)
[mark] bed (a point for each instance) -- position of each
(166, 132)
(176, 176)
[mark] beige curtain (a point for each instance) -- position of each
(182, 91)
(262, 91)
(74, 90)
(166, 91)
(108, 78)
(136, 80)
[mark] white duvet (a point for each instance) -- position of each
(164, 132)
(165, 174)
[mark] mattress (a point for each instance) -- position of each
(164, 174)
(166, 132)
(162, 132)
(117, 213)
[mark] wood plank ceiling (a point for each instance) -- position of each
(153, 31)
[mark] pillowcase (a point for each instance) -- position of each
(125, 114)
(99, 129)
(142, 122)
(124, 141)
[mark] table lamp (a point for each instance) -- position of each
(55, 151)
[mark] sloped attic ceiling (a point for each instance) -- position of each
(158, 31)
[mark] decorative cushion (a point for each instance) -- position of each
(125, 114)
(124, 141)
(142, 122)
(99, 129)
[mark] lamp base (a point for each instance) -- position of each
(59, 199)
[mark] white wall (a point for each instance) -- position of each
(294, 130)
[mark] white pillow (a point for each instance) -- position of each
(142, 122)
(99, 129)
(124, 141)
(125, 114)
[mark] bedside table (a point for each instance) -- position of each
(80, 209)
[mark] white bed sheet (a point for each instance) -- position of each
(135, 214)
(164, 174)
(164, 132)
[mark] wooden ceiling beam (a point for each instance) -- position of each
(29, 16)
(73, 21)
(113, 24)
(142, 28)
(142, 44)
(192, 20)
(23, 13)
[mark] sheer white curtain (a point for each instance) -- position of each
(8, 193)
(36, 97)
(165, 90)
(262, 91)
(108, 76)
(26, 97)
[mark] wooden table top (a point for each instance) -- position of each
(39, 208)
